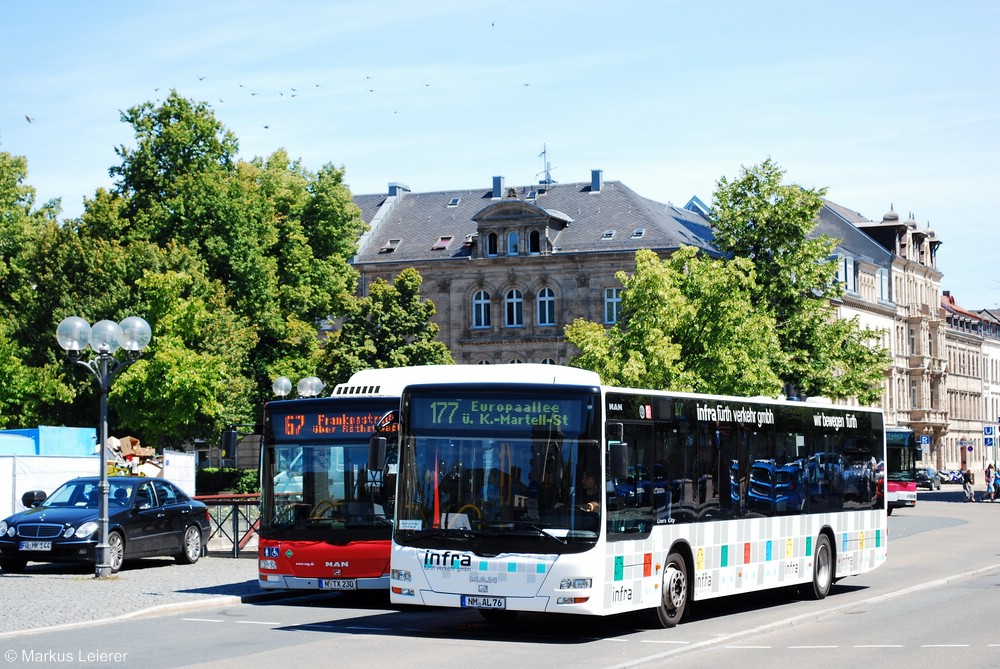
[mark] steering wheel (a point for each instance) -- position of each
(479, 514)
(323, 506)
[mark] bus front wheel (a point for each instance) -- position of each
(674, 597)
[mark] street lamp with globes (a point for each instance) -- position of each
(105, 338)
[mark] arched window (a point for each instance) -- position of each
(515, 308)
(492, 244)
(481, 309)
(548, 361)
(512, 239)
(534, 242)
(546, 307)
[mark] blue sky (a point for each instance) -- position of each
(883, 103)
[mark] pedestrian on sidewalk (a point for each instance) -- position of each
(990, 474)
(970, 496)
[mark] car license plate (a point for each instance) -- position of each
(36, 545)
(338, 584)
(484, 602)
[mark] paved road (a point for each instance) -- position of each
(47, 596)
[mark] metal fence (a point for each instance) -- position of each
(234, 519)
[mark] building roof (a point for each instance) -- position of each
(420, 227)
(852, 236)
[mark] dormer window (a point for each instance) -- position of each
(492, 244)
(390, 246)
(441, 243)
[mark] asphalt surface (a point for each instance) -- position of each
(47, 596)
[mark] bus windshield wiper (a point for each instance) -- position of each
(542, 532)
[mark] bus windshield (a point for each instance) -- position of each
(512, 465)
(315, 482)
(901, 456)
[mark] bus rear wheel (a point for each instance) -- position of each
(822, 579)
(674, 592)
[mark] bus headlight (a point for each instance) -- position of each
(269, 564)
(400, 575)
(576, 583)
(408, 592)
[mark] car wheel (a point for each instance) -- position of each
(13, 566)
(191, 550)
(116, 551)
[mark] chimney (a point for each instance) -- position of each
(396, 188)
(497, 187)
(596, 180)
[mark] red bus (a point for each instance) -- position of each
(326, 519)
(902, 453)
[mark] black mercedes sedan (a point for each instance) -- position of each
(146, 517)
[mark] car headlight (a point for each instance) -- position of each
(3, 527)
(83, 531)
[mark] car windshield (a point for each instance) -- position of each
(85, 494)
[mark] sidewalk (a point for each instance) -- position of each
(49, 595)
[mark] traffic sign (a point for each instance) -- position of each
(988, 441)
(925, 439)
(988, 430)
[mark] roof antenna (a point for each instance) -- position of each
(544, 155)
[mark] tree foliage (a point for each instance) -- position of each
(770, 223)
(390, 327)
(235, 263)
(755, 323)
(686, 325)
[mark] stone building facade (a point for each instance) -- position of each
(509, 267)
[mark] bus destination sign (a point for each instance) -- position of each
(327, 424)
(504, 413)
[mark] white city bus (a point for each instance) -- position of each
(555, 494)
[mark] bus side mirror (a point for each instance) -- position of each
(615, 432)
(376, 454)
(618, 459)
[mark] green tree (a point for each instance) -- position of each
(277, 236)
(390, 327)
(191, 384)
(771, 224)
(686, 325)
(29, 373)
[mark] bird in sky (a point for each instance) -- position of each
(29, 119)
